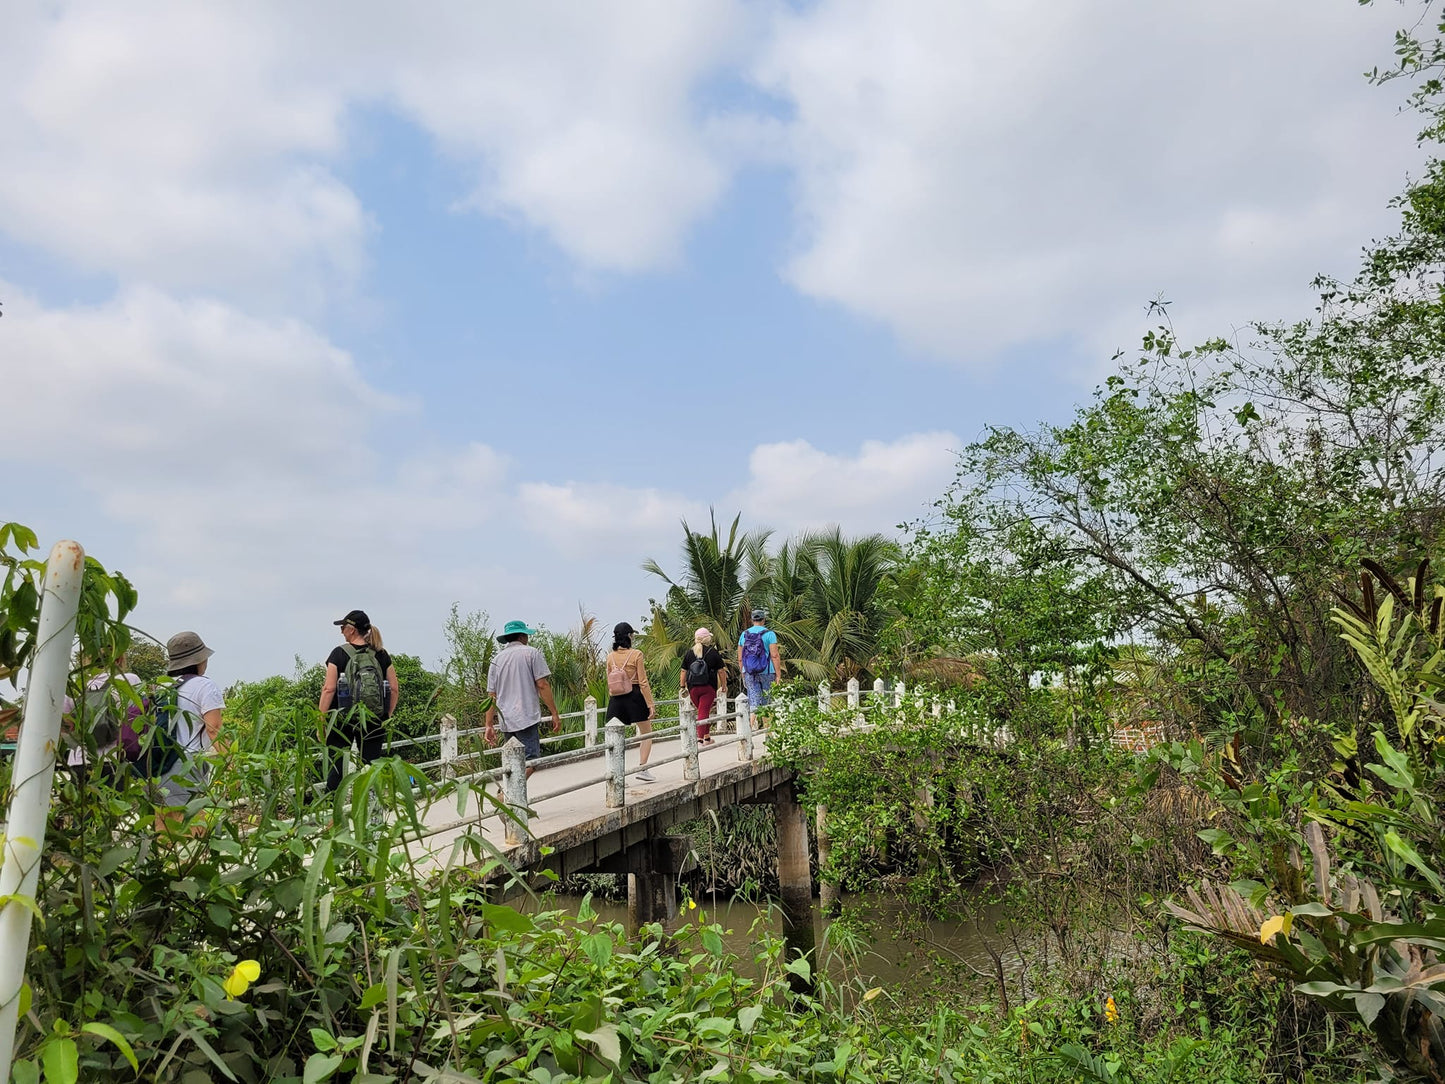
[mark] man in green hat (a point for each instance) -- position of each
(518, 685)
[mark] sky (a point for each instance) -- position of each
(352, 304)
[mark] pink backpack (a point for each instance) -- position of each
(618, 683)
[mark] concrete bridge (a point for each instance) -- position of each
(584, 810)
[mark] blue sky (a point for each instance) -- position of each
(308, 308)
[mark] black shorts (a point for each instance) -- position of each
(629, 707)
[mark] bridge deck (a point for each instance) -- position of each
(581, 818)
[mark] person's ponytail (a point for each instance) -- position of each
(373, 637)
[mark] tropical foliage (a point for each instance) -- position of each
(827, 597)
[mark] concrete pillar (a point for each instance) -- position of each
(825, 696)
(795, 881)
(852, 692)
(616, 764)
(514, 789)
(589, 722)
(828, 894)
(898, 692)
(687, 731)
(449, 746)
(652, 867)
(745, 729)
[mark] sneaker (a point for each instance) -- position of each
(645, 776)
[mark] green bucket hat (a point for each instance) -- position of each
(514, 628)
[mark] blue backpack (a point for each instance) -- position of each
(755, 653)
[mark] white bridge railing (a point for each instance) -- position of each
(521, 796)
(610, 742)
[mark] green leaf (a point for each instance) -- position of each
(320, 1067)
(108, 1033)
(322, 1040)
(25, 1072)
(598, 947)
(609, 1046)
(506, 918)
(1411, 856)
(799, 967)
(61, 1060)
(748, 1018)
(375, 994)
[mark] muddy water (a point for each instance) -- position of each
(893, 948)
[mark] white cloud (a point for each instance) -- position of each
(795, 486)
(195, 146)
(183, 144)
(226, 463)
(987, 174)
(604, 519)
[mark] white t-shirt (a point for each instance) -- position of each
(100, 681)
(198, 695)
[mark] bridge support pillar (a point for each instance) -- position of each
(652, 867)
(828, 894)
(795, 880)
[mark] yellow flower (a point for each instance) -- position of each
(1274, 925)
(1111, 1011)
(692, 905)
(242, 975)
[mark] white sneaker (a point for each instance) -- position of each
(645, 776)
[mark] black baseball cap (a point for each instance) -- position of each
(357, 619)
(622, 628)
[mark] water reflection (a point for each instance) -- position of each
(899, 950)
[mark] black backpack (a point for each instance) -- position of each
(699, 672)
(160, 748)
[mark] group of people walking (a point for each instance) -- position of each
(518, 683)
(360, 691)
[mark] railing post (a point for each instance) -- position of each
(616, 740)
(514, 790)
(898, 692)
(687, 730)
(825, 697)
(745, 729)
(878, 689)
(449, 746)
(31, 775)
(937, 709)
(852, 692)
(589, 722)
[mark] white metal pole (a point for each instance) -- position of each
(31, 775)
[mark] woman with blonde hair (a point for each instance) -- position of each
(703, 671)
(361, 684)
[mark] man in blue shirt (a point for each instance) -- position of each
(758, 660)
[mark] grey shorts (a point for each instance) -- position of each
(531, 739)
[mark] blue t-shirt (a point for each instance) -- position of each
(769, 639)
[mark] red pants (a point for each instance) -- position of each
(703, 697)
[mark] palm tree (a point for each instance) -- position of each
(719, 579)
(844, 603)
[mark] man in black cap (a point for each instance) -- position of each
(361, 683)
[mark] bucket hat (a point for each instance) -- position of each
(185, 649)
(516, 628)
